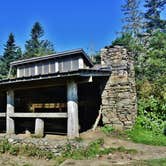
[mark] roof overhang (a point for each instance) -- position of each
(54, 56)
(55, 77)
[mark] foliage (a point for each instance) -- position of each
(149, 51)
(164, 131)
(141, 135)
(132, 17)
(96, 58)
(11, 53)
(36, 46)
(151, 85)
(153, 20)
(107, 129)
(125, 40)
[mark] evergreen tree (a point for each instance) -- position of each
(132, 17)
(36, 46)
(11, 53)
(153, 20)
(150, 67)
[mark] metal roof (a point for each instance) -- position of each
(52, 56)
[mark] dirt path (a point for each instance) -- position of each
(144, 152)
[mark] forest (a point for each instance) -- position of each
(144, 34)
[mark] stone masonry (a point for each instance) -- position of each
(119, 103)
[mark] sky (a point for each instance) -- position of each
(68, 24)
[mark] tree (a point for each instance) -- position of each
(11, 53)
(149, 49)
(153, 20)
(132, 17)
(36, 46)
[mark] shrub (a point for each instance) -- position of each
(164, 130)
(149, 117)
(141, 135)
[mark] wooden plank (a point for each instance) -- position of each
(2, 115)
(38, 115)
(47, 106)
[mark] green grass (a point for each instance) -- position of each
(26, 150)
(154, 162)
(94, 149)
(157, 162)
(107, 129)
(140, 135)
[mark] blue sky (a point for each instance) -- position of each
(88, 24)
(69, 24)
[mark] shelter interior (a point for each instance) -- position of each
(54, 99)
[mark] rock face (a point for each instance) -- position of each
(119, 103)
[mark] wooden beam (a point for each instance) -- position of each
(38, 115)
(2, 115)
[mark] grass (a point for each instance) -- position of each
(93, 150)
(107, 129)
(157, 162)
(140, 135)
(154, 162)
(26, 150)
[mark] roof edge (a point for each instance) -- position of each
(56, 55)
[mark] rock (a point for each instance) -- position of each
(119, 104)
(27, 133)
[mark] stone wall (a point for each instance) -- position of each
(119, 105)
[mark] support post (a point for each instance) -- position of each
(39, 127)
(10, 126)
(72, 109)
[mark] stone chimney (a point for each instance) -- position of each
(119, 103)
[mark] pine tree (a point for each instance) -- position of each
(132, 17)
(11, 53)
(36, 46)
(153, 20)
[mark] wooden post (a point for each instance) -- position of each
(39, 127)
(10, 126)
(72, 109)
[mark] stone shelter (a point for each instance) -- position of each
(63, 93)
